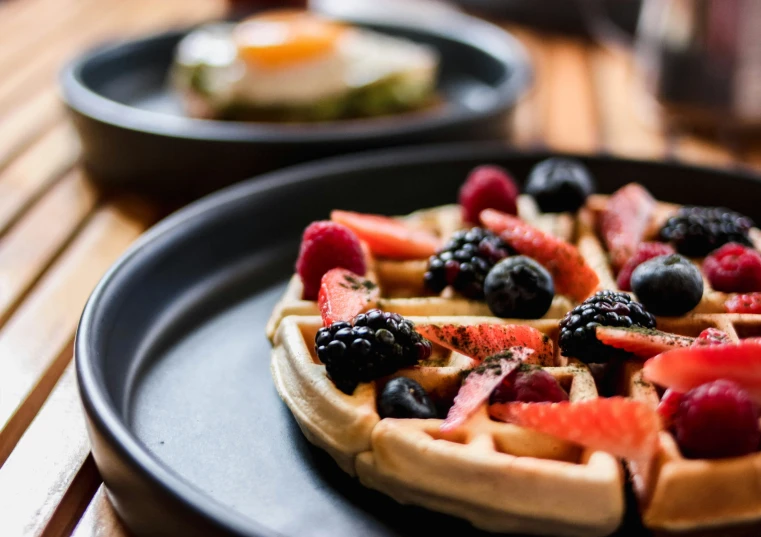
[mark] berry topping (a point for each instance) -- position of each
(404, 398)
(712, 336)
(578, 337)
(326, 245)
(734, 268)
(479, 341)
(745, 303)
(623, 427)
(487, 187)
(697, 231)
(529, 385)
(374, 345)
(559, 184)
(644, 252)
(668, 406)
(388, 237)
(520, 288)
(481, 382)
(668, 285)
(717, 420)
(570, 272)
(687, 368)
(641, 342)
(625, 221)
(464, 261)
(343, 295)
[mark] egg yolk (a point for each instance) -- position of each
(285, 38)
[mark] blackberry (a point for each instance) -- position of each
(697, 231)
(374, 345)
(464, 262)
(606, 308)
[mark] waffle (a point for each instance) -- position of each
(501, 477)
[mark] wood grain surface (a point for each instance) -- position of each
(59, 234)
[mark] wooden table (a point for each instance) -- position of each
(58, 234)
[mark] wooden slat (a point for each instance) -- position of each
(23, 123)
(46, 482)
(696, 150)
(100, 519)
(35, 342)
(27, 177)
(33, 243)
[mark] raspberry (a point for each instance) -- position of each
(487, 187)
(645, 251)
(697, 231)
(529, 385)
(668, 406)
(712, 336)
(716, 420)
(747, 303)
(326, 245)
(734, 268)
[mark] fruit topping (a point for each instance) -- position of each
(570, 272)
(687, 368)
(559, 185)
(529, 384)
(745, 303)
(697, 231)
(641, 342)
(668, 406)
(481, 382)
(519, 288)
(464, 261)
(716, 420)
(578, 337)
(645, 251)
(404, 398)
(734, 268)
(373, 345)
(668, 285)
(623, 427)
(712, 336)
(479, 341)
(388, 237)
(343, 295)
(625, 220)
(326, 245)
(487, 187)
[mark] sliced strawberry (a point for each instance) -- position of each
(712, 336)
(668, 406)
(625, 220)
(684, 369)
(641, 342)
(483, 340)
(570, 272)
(480, 382)
(344, 294)
(388, 237)
(623, 427)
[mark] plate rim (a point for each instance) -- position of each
(105, 417)
(487, 37)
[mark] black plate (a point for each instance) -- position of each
(135, 135)
(173, 364)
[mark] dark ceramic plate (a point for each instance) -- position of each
(135, 135)
(173, 364)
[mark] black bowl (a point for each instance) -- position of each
(173, 363)
(135, 135)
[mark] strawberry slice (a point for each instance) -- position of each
(483, 340)
(480, 382)
(388, 237)
(623, 427)
(344, 294)
(641, 342)
(712, 336)
(625, 220)
(684, 369)
(570, 271)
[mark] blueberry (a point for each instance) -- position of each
(559, 185)
(668, 285)
(520, 288)
(404, 398)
